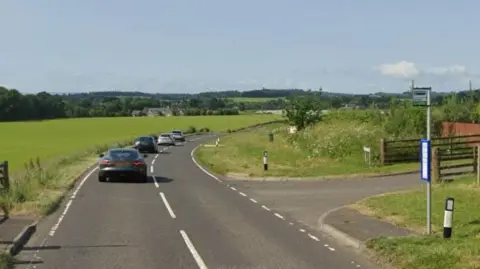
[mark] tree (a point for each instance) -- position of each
(304, 110)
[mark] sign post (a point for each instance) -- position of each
(422, 97)
(367, 155)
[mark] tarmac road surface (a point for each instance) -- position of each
(182, 218)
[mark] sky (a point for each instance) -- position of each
(189, 46)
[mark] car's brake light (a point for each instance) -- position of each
(137, 162)
(105, 162)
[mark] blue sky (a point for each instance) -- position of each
(191, 46)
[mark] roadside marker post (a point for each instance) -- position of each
(448, 217)
(422, 97)
(265, 161)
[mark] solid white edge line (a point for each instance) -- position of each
(70, 201)
(167, 205)
(201, 264)
(155, 181)
(200, 167)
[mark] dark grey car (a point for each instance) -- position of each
(146, 144)
(125, 163)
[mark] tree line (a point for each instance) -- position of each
(15, 106)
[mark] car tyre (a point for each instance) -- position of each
(102, 178)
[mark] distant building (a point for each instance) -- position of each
(161, 111)
(137, 113)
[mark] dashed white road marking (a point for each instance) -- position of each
(151, 169)
(201, 264)
(263, 206)
(70, 201)
(153, 161)
(313, 237)
(155, 182)
(329, 247)
(200, 167)
(167, 205)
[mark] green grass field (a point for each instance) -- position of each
(408, 209)
(241, 153)
(252, 99)
(66, 148)
(47, 140)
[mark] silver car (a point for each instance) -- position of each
(166, 140)
(178, 135)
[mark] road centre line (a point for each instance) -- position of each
(167, 205)
(198, 259)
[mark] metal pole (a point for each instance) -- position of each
(429, 184)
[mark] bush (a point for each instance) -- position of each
(338, 140)
(191, 130)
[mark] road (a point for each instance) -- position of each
(182, 218)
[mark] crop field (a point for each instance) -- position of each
(23, 141)
(253, 100)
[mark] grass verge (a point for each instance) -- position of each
(41, 186)
(408, 209)
(242, 153)
(6, 261)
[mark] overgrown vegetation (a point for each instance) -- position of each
(308, 155)
(6, 261)
(331, 141)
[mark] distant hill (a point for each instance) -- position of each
(263, 93)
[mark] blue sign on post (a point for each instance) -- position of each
(425, 160)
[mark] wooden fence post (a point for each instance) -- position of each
(6, 176)
(382, 151)
(477, 166)
(475, 154)
(436, 162)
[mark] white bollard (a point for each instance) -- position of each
(265, 161)
(448, 217)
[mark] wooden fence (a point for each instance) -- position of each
(4, 175)
(408, 150)
(448, 164)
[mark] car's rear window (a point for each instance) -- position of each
(165, 135)
(124, 155)
(144, 139)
